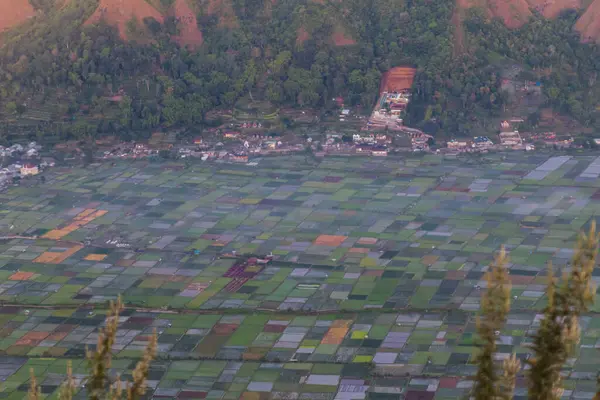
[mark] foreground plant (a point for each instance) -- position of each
(559, 332)
(556, 338)
(99, 384)
(495, 305)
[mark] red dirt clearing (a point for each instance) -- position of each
(224, 9)
(301, 36)
(552, 8)
(118, 12)
(589, 23)
(340, 38)
(459, 32)
(397, 79)
(190, 35)
(514, 13)
(14, 12)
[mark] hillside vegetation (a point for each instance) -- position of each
(88, 67)
(515, 13)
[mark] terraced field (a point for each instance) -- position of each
(371, 292)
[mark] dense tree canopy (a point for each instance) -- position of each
(283, 53)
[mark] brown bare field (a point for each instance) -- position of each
(301, 36)
(341, 39)
(589, 23)
(21, 276)
(515, 13)
(397, 79)
(51, 257)
(118, 12)
(189, 35)
(83, 218)
(552, 8)
(14, 12)
(224, 9)
(95, 257)
(330, 240)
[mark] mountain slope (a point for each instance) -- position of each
(14, 12)
(189, 34)
(515, 13)
(119, 12)
(589, 23)
(552, 8)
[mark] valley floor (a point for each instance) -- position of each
(371, 292)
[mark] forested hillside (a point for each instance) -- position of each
(91, 67)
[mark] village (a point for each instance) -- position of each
(17, 162)
(245, 140)
(245, 143)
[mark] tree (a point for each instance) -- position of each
(559, 332)
(10, 107)
(99, 384)
(495, 305)
(554, 341)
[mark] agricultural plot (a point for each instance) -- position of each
(371, 292)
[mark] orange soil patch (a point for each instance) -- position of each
(251, 396)
(125, 263)
(340, 38)
(397, 79)
(252, 356)
(189, 34)
(95, 257)
(21, 276)
(337, 332)
(482, 4)
(32, 338)
(118, 12)
(367, 240)
(52, 257)
(589, 23)
(83, 218)
(14, 12)
(514, 13)
(36, 335)
(301, 35)
(552, 8)
(341, 323)
(428, 260)
(224, 10)
(459, 31)
(330, 240)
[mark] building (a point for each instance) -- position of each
(365, 138)
(239, 157)
(383, 138)
(29, 170)
(379, 151)
(231, 134)
(510, 139)
(457, 144)
(482, 142)
(364, 149)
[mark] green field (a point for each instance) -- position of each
(372, 291)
